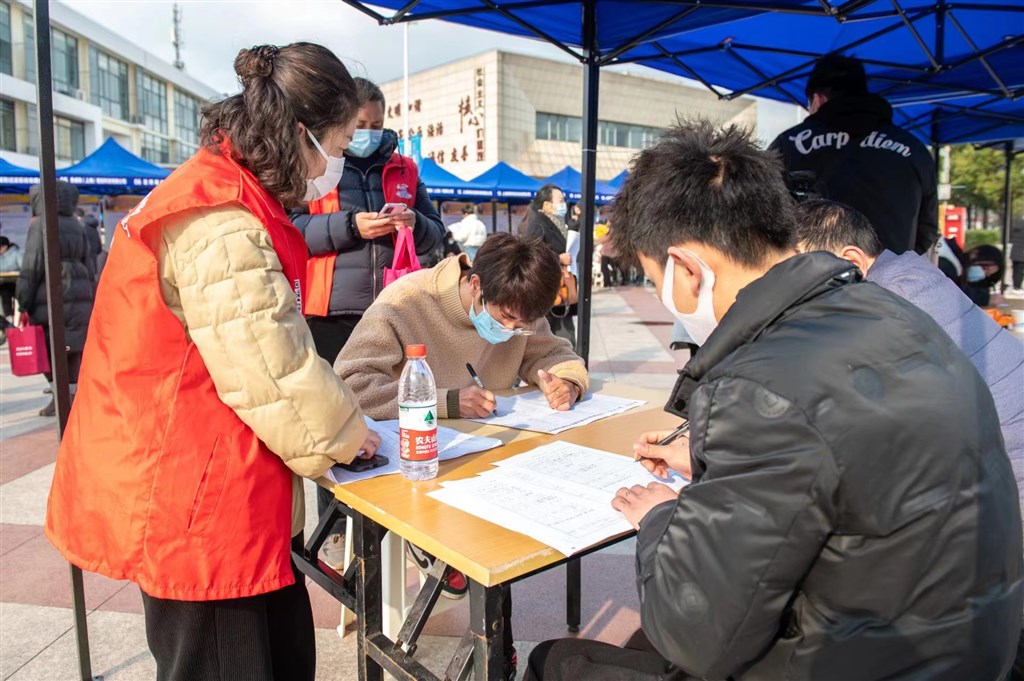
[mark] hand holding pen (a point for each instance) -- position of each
(663, 450)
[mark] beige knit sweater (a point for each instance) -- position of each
(424, 307)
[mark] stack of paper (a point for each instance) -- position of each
(530, 411)
(559, 494)
(451, 444)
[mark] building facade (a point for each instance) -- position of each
(103, 87)
(527, 112)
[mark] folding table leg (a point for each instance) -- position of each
(487, 625)
(366, 536)
(396, 599)
(573, 586)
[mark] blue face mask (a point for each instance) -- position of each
(975, 273)
(364, 143)
(488, 327)
(560, 210)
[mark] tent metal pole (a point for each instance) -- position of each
(591, 84)
(1007, 203)
(494, 216)
(54, 296)
(508, 212)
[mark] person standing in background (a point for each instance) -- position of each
(546, 221)
(350, 232)
(10, 263)
(1017, 258)
(470, 232)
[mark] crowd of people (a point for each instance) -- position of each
(856, 439)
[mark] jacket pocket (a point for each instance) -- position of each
(208, 492)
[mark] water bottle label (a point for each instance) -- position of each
(417, 429)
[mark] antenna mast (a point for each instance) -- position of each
(176, 39)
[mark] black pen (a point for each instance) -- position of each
(675, 434)
(479, 383)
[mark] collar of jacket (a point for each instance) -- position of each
(856, 114)
(762, 303)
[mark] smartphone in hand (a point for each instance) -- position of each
(362, 465)
(392, 209)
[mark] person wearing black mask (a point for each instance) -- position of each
(848, 150)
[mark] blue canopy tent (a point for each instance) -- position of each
(112, 169)
(15, 179)
(619, 180)
(505, 182)
(442, 184)
(570, 181)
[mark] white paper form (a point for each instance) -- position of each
(451, 444)
(565, 516)
(572, 247)
(530, 411)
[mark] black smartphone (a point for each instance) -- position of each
(363, 465)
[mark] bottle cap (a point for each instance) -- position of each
(415, 351)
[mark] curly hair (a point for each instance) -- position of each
(281, 87)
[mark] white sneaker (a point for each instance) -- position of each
(1014, 293)
(333, 551)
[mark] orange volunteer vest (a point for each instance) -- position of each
(400, 179)
(157, 480)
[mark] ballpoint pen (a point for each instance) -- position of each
(479, 383)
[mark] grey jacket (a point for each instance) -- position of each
(78, 267)
(359, 268)
(853, 514)
(995, 352)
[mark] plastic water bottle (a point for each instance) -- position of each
(417, 416)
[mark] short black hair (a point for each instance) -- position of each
(543, 195)
(831, 226)
(369, 92)
(468, 209)
(708, 184)
(4, 241)
(519, 275)
(837, 74)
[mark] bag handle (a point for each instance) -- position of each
(405, 250)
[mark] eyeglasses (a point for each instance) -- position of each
(514, 331)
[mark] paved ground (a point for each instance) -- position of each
(630, 339)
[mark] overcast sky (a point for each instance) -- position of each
(214, 31)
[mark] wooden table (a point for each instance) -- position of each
(490, 556)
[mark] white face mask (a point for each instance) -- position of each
(319, 187)
(701, 322)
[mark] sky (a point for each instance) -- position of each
(215, 30)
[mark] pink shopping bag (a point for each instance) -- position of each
(405, 260)
(29, 355)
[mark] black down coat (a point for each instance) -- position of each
(854, 515)
(359, 268)
(78, 267)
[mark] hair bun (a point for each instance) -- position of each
(256, 62)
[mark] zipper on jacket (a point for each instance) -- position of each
(373, 242)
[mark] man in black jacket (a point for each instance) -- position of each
(853, 513)
(848, 150)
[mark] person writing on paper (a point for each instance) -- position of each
(490, 315)
(201, 397)
(853, 513)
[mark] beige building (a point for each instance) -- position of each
(527, 112)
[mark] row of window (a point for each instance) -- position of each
(70, 138)
(108, 81)
(570, 129)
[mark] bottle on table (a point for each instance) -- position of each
(417, 416)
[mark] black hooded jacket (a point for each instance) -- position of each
(359, 268)
(854, 515)
(861, 159)
(78, 267)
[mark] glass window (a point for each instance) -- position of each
(32, 148)
(70, 139)
(155, 149)
(6, 47)
(30, 49)
(64, 51)
(186, 124)
(7, 129)
(109, 84)
(151, 101)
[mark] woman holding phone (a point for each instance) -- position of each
(201, 398)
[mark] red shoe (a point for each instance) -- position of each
(454, 585)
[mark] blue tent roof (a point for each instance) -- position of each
(442, 184)
(619, 180)
(15, 179)
(507, 183)
(112, 169)
(570, 181)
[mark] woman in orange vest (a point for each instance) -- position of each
(201, 397)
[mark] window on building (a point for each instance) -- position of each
(6, 45)
(30, 48)
(151, 101)
(186, 124)
(559, 128)
(32, 147)
(570, 129)
(155, 149)
(109, 83)
(64, 51)
(7, 129)
(69, 140)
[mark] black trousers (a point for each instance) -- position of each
(1018, 273)
(7, 298)
(563, 327)
(577, 659)
(329, 336)
(1017, 672)
(260, 638)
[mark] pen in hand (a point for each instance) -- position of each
(479, 383)
(683, 428)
